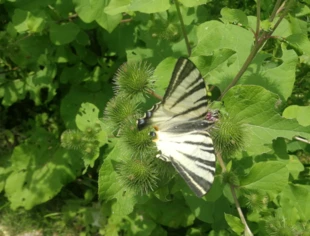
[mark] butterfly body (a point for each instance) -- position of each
(182, 126)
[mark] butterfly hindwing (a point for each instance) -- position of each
(192, 155)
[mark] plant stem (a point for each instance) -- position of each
(151, 92)
(177, 5)
(247, 229)
(301, 139)
(260, 39)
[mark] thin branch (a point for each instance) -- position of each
(259, 42)
(126, 20)
(281, 8)
(177, 5)
(247, 229)
(243, 68)
(301, 139)
(257, 21)
(151, 92)
(275, 10)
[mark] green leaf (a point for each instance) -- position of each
(31, 52)
(77, 95)
(234, 223)
(214, 36)
(109, 22)
(117, 6)
(19, 20)
(256, 107)
(64, 33)
(191, 3)
(108, 184)
(41, 169)
(300, 113)
(42, 79)
(295, 198)
(110, 187)
(37, 22)
(269, 176)
(234, 16)
(294, 166)
(140, 225)
(151, 6)
(75, 74)
(87, 116)
(89, 11)
(173, 214)
(268, 76)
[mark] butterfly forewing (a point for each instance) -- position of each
(181, 125)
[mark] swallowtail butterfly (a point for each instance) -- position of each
(182, 122)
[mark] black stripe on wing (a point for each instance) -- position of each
(181, 71)
(205, 164)
(143, 122)
(200, 186)
(200, 86)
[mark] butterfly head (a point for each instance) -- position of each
(212, 116)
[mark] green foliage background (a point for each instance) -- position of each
(62, 158)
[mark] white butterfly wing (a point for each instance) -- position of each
(192, 155)
(185, 98)
(181, 124)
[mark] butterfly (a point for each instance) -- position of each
(181, 122)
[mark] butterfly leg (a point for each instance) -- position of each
(163, 157)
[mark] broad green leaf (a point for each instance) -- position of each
(163, 73)
(12, 91)
(278, 79)
(151, 6)
(234, 223)
(117, 6)
(30, 5)
(87, 116)
(205, 64)
(75, 74)
(37, 22)
(42, 79)
(211, 208)
(31, 52)
(173, 214)
(87, 121)
(109, 22)
(294, 166)
(41, 169)
(283, 29)
(141, 225)
(269, 176)
(300, 113)
(19, 20)
(89, 11)
(256, 108)
(213, 36)
(235, 16)
(64, 33)
(77, 95)
(193, 3)
(110, 186)
(295, 197)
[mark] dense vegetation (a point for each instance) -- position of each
(75, 76)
